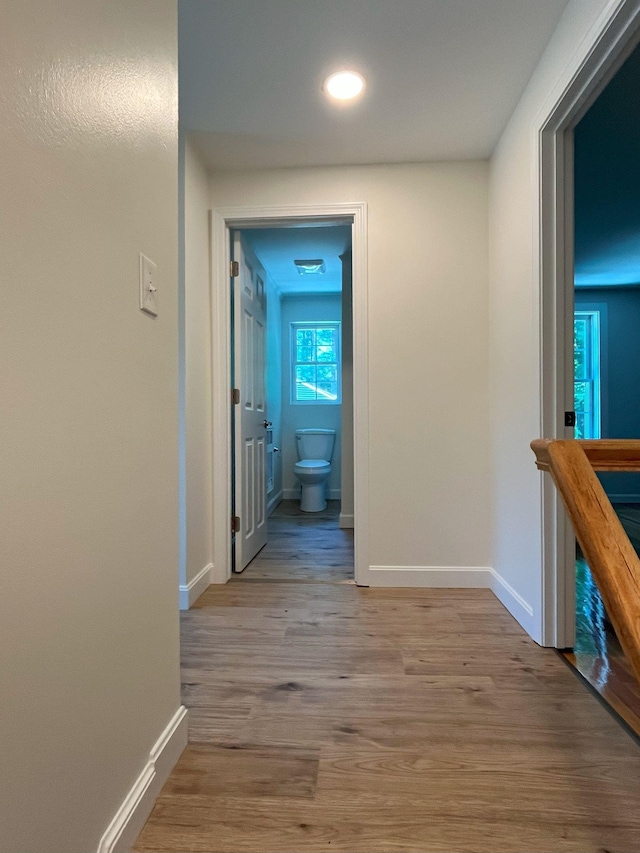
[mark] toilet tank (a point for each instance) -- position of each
(315, 443)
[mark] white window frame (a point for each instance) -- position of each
(293, 362)
(593, 429)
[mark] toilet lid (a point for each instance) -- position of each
(313, 464)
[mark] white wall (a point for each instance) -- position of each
(88, 524)
(429, 474)
(515, 318)
(307, 309)
(196, 340)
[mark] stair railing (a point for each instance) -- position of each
(606, 547)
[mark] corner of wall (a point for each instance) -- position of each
(191, 591)
(127, 823)
(516, 605)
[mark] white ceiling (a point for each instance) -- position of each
(443, 77)
(277, 248)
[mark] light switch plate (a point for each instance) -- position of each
(148, 286)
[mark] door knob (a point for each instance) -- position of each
(266, 424)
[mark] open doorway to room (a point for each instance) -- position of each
(560, 256)
(292, 417)
(606, 348)
(354, 439)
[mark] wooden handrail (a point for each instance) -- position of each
(606, 454)
(606, 547)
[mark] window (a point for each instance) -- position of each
(315, 363)
(586, 387)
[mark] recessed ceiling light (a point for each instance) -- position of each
(310, 267)
(344, 85)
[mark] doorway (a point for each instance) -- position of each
(565, 389)
(223, 223)
(607, 345)
(292, 421)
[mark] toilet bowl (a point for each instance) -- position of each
(315, 449)
(313, 474)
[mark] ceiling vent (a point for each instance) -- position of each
(315, 266)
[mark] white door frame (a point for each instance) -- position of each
(222, 220)
(611, 40)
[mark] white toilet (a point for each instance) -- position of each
(315, 449)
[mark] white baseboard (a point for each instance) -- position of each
(196, 586)
(440, 577)
(294, 494)
(346, 520)
(458, 577)
(521, 610)
(273, 503)
(624, 499)
(127, 823)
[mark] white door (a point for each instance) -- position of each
(249, 319)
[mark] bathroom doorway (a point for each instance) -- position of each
(292, 411)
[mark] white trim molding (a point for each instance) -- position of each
(456, 577)
(515, 603)
(191, 591)
(222, 220)
(438, 577)
(128, 821)
(345, 522)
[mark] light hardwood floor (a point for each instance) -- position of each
(326, 717)
(304, 546)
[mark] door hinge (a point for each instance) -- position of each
(569, 419)
(235, 524)
(235, 396)
(235, 269)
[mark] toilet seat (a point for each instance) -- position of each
(315, 466)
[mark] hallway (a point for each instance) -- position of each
(324, 716)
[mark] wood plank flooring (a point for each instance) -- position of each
(304, 546)
(327, 717)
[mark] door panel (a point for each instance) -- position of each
(250, 432)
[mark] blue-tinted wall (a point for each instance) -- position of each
(620, 351)
(607, 183)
